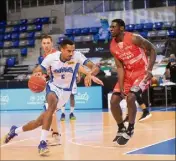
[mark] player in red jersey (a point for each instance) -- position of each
(134, 74)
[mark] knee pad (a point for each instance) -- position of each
(117, 93)
(137, 91)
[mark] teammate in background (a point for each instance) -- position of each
(134, 74)
(72, 101)
(47, 46)
(63, 66)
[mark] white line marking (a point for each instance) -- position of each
(16, 142)
(104, 147)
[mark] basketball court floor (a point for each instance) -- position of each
(90, 137)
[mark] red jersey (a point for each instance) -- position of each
(132, 56)
(53, 51)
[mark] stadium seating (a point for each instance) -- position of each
(24, 29)
(24, 51)
(147, 30)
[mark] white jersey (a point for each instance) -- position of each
(63, 74)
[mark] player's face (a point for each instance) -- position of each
(47, 45)
(115, 29)
(68, 51)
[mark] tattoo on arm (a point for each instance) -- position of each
(143, 43)
(148, 47)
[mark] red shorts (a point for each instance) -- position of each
(133, 79)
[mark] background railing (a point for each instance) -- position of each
(14, 6)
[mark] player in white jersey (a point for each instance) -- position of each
(72, 101)
(64, 67)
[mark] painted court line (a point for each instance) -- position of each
(147, 147)
(83, 136)
(17, 142)
(104, 147)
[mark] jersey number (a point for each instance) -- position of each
(63, 76)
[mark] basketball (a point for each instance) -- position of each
(36, 84)
(154, 81)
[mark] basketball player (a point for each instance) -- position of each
(47, 46)
(64, 66)
(134, 73)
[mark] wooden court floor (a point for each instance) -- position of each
(89, 137)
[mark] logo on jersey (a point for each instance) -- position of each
(71, 62)
(64, 70)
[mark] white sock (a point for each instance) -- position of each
(63, 109)
(19, 130)
(72, 109)
(126, 110)
(46, 106)
(44, 134)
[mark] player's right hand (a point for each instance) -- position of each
(122, 94)
(88, 80)
(96, 80)
(39, 74)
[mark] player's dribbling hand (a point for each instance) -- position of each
(96, 80)
(39, 74)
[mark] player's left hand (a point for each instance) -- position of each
(96, 80)
(148, 76)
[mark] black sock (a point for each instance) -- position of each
(130, 127)
(146, 110)
(121, 125)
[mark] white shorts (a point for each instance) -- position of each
(74, 89)
(62, 95)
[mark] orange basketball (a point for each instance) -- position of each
(36, 84)
(154, 81)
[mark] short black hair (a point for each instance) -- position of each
(120, 22)
(65, 42)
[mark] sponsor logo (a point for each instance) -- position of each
(64, 70)
(36, 100)
(99, 49)
(71, 62)
(83, 51)
(82, 97)
(4, 99)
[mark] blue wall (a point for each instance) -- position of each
(24, 99)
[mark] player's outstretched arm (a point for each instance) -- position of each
(93, 67)
(89, 78)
